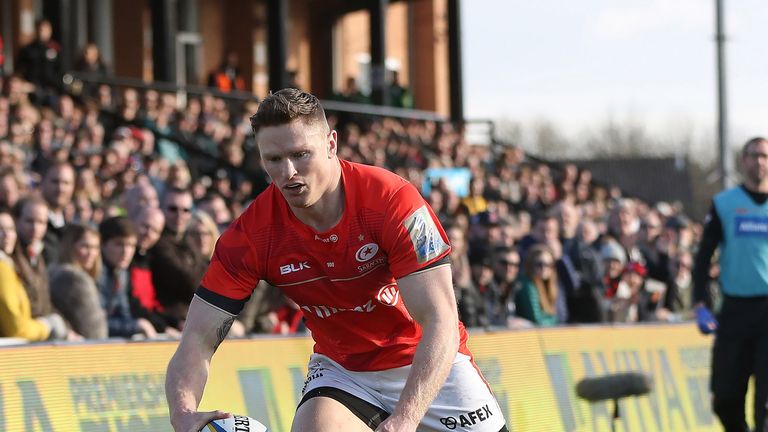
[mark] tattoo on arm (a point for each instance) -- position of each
(222, 331)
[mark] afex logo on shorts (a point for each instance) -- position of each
(468, 419)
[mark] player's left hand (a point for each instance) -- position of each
(397, 424)
(705, 320)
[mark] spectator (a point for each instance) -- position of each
(91, 63)
(351, 93)
(288, 319)
(624, 226)
(151, 107)
(462, 273)
(81, 210)
(545, 231)
(105, 101)
(399, 96)
(614, 259)
(214, 205)
(471, 306)
(509, 231)
(475, 202)
(149, 223)
(500, 298)
(8, 235)
(58, 187)
(681, 233)
(128, 110)
(16, 319)
(202, 234)
(261, 313)
(118, 246)
(589, 233)
(228, 77)
(656, 245)
(73, 281)
(484, 235)
(169, 150)
(539, 299)
(679, 294)
(179, 176)
(28, 260)
(585, 278)
(40, 61)
(9, 187)
(632, 302)
(176, 266)
(87, 185)
(142, 195)
(149, 226)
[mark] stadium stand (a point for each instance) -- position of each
(614, 258)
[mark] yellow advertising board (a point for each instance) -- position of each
(119, 387)
(677, 358)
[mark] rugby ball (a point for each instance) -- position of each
(235, 424)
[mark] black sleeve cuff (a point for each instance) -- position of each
(442, 261)
(228, 305)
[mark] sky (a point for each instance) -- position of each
(652, 62)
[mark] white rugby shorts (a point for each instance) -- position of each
(464, 403)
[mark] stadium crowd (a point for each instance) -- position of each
(111, 201)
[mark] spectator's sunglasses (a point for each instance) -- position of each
(177, 209)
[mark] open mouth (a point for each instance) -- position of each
(294, 187)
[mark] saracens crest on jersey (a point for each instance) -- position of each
(425, 236)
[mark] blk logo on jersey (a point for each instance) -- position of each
(389, 295)
(290, 268)
(366, 252)
(425, 236)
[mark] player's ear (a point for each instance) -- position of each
(333, 144)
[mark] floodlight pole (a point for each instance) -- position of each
(722, 103)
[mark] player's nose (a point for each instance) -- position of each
(288, 169)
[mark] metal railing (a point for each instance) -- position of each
(71, 79)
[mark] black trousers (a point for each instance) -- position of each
(740, 351)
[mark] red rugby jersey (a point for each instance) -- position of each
(344, 278)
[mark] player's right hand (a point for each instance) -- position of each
(705, 320)
(193, 421)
